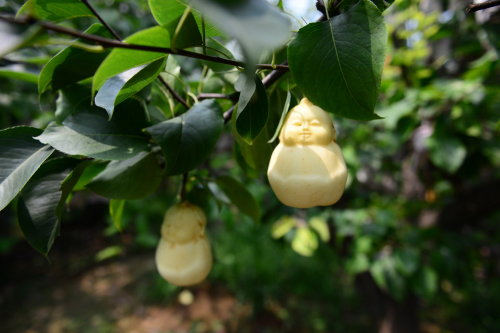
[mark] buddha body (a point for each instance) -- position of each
(183, 255)
(307, 168)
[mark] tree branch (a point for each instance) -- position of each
(105, 42)
(474, 7)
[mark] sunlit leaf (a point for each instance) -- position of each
(55, 10)
(338, 63)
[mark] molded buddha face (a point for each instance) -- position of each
(307, 124)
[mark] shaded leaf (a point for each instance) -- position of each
(133, 178)
(20, 157)
(72, 64)
(446, 152)
(89, 133)
(187, 140)
(338, 63)
(41, 201)
(239, 196)
(251, 116)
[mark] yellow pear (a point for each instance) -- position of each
(307, 168)
(183, 256)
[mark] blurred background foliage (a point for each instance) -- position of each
(415, 241)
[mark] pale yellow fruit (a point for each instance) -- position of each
(183, 222)
(183, 256)
(184, 264)
(307, 168)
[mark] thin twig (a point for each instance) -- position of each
(174, 93)
(99, 17)
(117, 37)
(474, 7)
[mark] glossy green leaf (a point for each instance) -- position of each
(41, 201)
(255, 24)
(20, 157)
(120, 60)
(187, 140)
(55, 10)
(126, 84)
(72, 64)
(166, 11)
(133, 178)
(253, 117)
(89, 133)
(239, 196)
(338, 63)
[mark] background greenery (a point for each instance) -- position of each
(413, 243)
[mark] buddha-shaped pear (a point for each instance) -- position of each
(307, 168)
(183, 255)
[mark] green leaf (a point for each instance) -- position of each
(55, 10)
(18, 75)
(120, 60)
(281, 227)
(187, 140)
(185, 32)
(70, 100)
(89, 133)
(116, 212)
(426, 282)
(251, 117)
(255, 24)
(126, 84)
(286, 108)
(320, 225)
(166, 11)
(72, 64)
(446, 152)
(133, 178)
(41, 201)
(239, 196)
(20, 157)
(387, 277)
(338, 63)
(305, 242)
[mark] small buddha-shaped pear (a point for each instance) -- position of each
(183, 255)
(307, 168)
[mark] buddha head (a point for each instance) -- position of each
(307, 124)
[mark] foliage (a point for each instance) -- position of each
(191, 108)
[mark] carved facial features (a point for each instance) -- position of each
(307, 124)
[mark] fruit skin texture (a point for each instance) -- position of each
(307, 168)
(183, 256)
